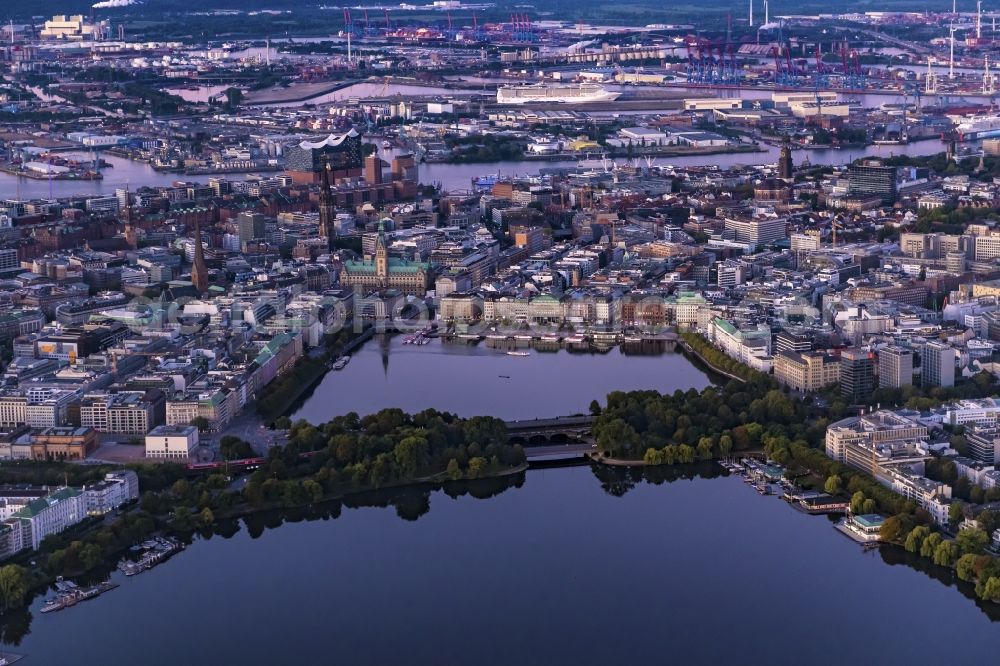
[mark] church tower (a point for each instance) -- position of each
(199, 271)
(785, 161)
(327, 207)
(130, 233)
(381, 258)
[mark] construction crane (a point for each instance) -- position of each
(125, 352)
(833, 225)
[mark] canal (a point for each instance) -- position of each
(558, 566)
(476, 380)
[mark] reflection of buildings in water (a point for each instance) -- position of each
(647, 346)
(383, 346)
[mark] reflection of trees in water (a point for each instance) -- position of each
(15, 626)
(897, 555)
(410, 502)
(617, 481)
(413, 506)
(661, 474)
(484, 488)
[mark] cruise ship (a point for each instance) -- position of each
(978, 127)
(566, 94)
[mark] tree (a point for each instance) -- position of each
(201, 423)
(314, 489)
(180, 489)
(91, 556)
(704, 448)
(454, 471)
(988, 520)
(234, 448)
(868, 506)
(891, 529)
(476, 467)
(409, 454)
(991, 591)
(652, 457)
(725, 445)
(595, 408)
(233, 98)
(965, 567)
(206, 517)
(945, 554)
(930, 545)
(956, 512)
(972, 540)
(857, 502)
(13, 585)
(916, 538)
(832, 485)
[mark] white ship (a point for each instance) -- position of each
(978, 127)
(566, 94)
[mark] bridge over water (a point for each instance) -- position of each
(559, 430)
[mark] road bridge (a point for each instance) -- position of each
(536, 432)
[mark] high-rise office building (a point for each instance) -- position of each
(758, 231)
(871, 178)
(786, 340)
(937, 365)
(984, 443)
(373, 169)
(251, 226)
(857, 374)
(895, 367)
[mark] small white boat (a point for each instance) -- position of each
(518, 353)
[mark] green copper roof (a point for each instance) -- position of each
(395, 266)
(35, 507)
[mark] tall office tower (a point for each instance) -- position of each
(937, 365)
(895, 367)
(857, 374)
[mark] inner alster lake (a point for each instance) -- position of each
(477, 380)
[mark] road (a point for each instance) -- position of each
(248, 426)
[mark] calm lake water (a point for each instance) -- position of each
(467, 381)
(565, 566)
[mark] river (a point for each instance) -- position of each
(564, 566)
(476, 380)
(451, 176)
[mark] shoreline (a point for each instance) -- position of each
(691, 350)
(435, 481)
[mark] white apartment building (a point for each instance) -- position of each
(116, 489)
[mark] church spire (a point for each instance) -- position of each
(131, 237)
(199, 272)
(327, 207)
